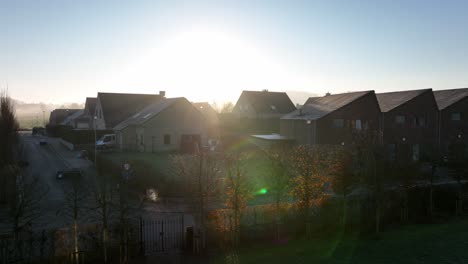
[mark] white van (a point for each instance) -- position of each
(106, 141)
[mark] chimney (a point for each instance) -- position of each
(162, 93)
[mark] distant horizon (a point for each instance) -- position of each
(64, 51)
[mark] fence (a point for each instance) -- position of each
(162, 235)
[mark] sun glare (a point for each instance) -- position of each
(207, 65)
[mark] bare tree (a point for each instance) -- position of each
(238, 192)
(27, 208)
(75, 202)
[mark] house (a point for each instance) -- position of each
(73, 120)
(332, 119)
(409, 124)
(211, 117)
(453, 122)
(113, 108)
(86, 121)
(165, 125)
(260, 111)
(57, 116)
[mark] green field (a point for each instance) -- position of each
(437, 243)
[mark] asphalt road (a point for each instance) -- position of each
(44, 162)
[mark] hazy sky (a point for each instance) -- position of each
(63, 51)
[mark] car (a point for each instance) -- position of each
(42, 142)
(106, 142)
(68, 173)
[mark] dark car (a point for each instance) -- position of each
(42, 142)
(68, 173)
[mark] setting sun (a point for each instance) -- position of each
(205, 63)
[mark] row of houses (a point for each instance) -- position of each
(413, 124)
(410, 125)
(147, 122)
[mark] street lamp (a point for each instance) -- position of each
(95, 139)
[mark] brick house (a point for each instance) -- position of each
(260, 111)
(453, 122)
(409, 124)
(332, 119)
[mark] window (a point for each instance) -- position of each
(456, 116)
(421, 121)
(338, 123)
(167, 139)
(415, 155)
(358, 124)
(141, 139)
(400, 119)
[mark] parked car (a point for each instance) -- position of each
(42, 142)
(68, 173)
(106, 141)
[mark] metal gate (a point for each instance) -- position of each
(162, 234)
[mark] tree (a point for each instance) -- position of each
(227, 107)
(202, 174)
(8, 130)
(27, 208)
(278, 182)
(308, 184)
(343, 176)
(238, 193)
(103, 200)
(75, 198)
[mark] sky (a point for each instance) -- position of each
(63, 51)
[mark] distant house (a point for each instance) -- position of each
(409, 124)
(165, 125)
(211, 117)
(113, 108)
(453, 121)
(57, 116)
(332, 119)
(260, 111)
(73, 120)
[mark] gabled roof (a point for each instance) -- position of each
(446, 98)
(392, 100)
(149, 112)
(265, 102)
(58, 115)
(90, 105)
(117, 107)
(208, 112)
(318, 107)
(69, 119)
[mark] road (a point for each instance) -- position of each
(44, 161)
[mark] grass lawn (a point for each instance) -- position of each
(441, 243)
(153, 162)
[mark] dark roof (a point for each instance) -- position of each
(390, 101)
(117, 107)
(58, 115)
(318, 107)
(149, 112)
(265, 102)
(90, 105)
(446, 98)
